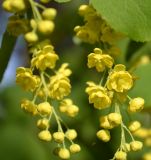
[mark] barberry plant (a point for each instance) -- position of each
(50, 84)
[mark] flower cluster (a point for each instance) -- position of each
(96, 30)
(47, 84)
(111, 93)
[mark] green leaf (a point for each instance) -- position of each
(7, 46)
(62, 1)
(131, 17)
(142, 86)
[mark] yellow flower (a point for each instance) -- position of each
(59, 87)
(69, 108)
(64, 70)
(29, 106)
(98, 95)
(100, 60)
(45, 58)
(119, 79)
(26, 79)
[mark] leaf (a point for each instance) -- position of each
(62, 1)
(131, 17)
(7, 46)
(142, 86)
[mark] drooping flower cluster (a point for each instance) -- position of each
(117, 83)
(46, 83)
(112, 90)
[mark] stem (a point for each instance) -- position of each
(102, 79)
(44, 84)
(35, 96)
(36, 13)
(59, 124)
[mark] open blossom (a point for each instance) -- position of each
(98, 96)
(100, 60)
(26, 79)
(119, 79)
(45, 58)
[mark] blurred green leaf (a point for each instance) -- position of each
(7, 46)
(142, 87)
(131, 17)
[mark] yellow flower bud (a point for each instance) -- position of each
(120, 155)
(104, 123)
(49, 13)
(29, 106)
(103, 135)
(64, 153)
(136, 104)
(141, 133)
(72, 110)
(45, 26)
(136, 145)
(119, 80)
(71, 134)
(7, 5)
(127, 147)
(74, 148)
(99, 60)
(33, 23)
(58, 137)
(18, 5)
(147, 156)
(115, 119)
(44, 108)
(43, 123)
(31, 37)
(45, 135)
(134, 126)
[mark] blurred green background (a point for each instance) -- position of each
(18, 132)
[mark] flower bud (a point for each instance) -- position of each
(45, 135)
(104, 123)
(120, 155)
(58, 137)
(43, 123)
(45, 26)
(64, 153)
(115, 118)
(136, 104)
(103, 135)
(134, 126)
(49, 13)
(71, 134)
(44, 108)
(18, 5)
(7, 5)
(74, 148)
(31, 37)
(136, 145)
